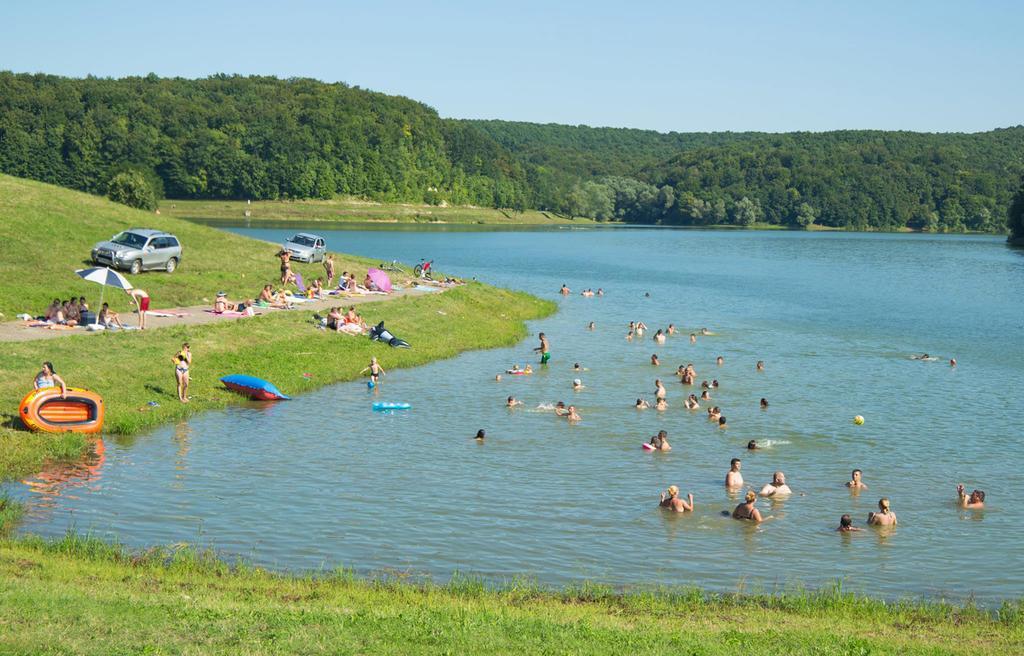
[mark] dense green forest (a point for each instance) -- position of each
(268, 138)
(1016, 223)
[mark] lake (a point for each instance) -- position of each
(322, 482)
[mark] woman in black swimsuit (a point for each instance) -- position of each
(748, 509)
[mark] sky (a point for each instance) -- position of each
(771, 65)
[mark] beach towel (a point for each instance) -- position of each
(231, 313)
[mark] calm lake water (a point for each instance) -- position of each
(323, 482)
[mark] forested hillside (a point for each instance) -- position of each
(233, 137)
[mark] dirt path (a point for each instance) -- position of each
(20, 331)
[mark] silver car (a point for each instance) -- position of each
(139, 249)
(305, 247)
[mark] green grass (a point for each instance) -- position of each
(81, 596)
(47, 232)
(358, 211)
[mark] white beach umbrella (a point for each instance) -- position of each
(106, 277)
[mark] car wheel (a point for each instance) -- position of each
(172, 264)
(136, 267)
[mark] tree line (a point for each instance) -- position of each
(139, 139)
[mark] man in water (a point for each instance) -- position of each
(855, 482)
(764, 404)
(564, 291)
(975, 501)
(654, 360)
(577, 384)
(660, 442)
(734, 478)
(512, 402)
(544, 349)
(777, 487)
(572, 415)
(480, 435)
(752, 445)
(722, 424)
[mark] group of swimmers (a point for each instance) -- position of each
(565, 291)
(778, 488)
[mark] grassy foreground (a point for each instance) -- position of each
(82, 596)
(350, 210)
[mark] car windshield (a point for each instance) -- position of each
(129, 239)
(301, 240)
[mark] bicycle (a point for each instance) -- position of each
(422, 269)
(391, 266)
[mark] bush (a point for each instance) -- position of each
(131, 188)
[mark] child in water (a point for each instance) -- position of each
(376, 371)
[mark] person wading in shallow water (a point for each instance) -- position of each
(544, 349)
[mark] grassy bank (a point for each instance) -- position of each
(349, 210)
(132, 369)
(46, 232)
(84, 597)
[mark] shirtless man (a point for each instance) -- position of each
(734, 478)
(572, 415)
(670, 499)
(564, 291)
(544, 349)
(659, 390)
(855, 482)
(141, 300)
(655, 361)
(777, 487)
(975, 501)
(512, 402)
(660, 442)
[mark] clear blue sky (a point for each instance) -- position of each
(685, 66)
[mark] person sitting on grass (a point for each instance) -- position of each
(52, 310)
(369, 284)
(317, 289)
(108, 317)
(335, 319)
(352, 318)
(221, 305)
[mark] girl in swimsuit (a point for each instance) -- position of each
(884, 516)
(182, 360)
(748, 509)
(49, 378)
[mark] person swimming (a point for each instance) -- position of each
(885, 516)
(764, 403)
(855, 482)
(577, 367)
(480, 435)
(975, 501)
(512, 402)
(777, 487)
(659, 389)
(693, 338)
(660, 442)
(714, 413)
(659, 337)
(719, 361)
(670, 499)
(654, 360)
(590, 326)
(641, 404)
(846, 525)
(705, 396)
(564, 291)
(748, 509)
(671, 330)
(733, 478)
(577, 384)
(572, 415)
(752, 445)
(560, 410)
(691, 403)
(722, 424)
(760, 365)
(661, 404)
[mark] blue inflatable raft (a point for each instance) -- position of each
(253, 387)
(387, 405)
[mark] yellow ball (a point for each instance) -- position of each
(858, 420)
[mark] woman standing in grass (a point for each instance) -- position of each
(182, 361)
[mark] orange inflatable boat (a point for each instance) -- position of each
(80, 412)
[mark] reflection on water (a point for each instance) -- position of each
(58, 480)
(322, 481)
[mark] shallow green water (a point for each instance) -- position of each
(325, 482)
